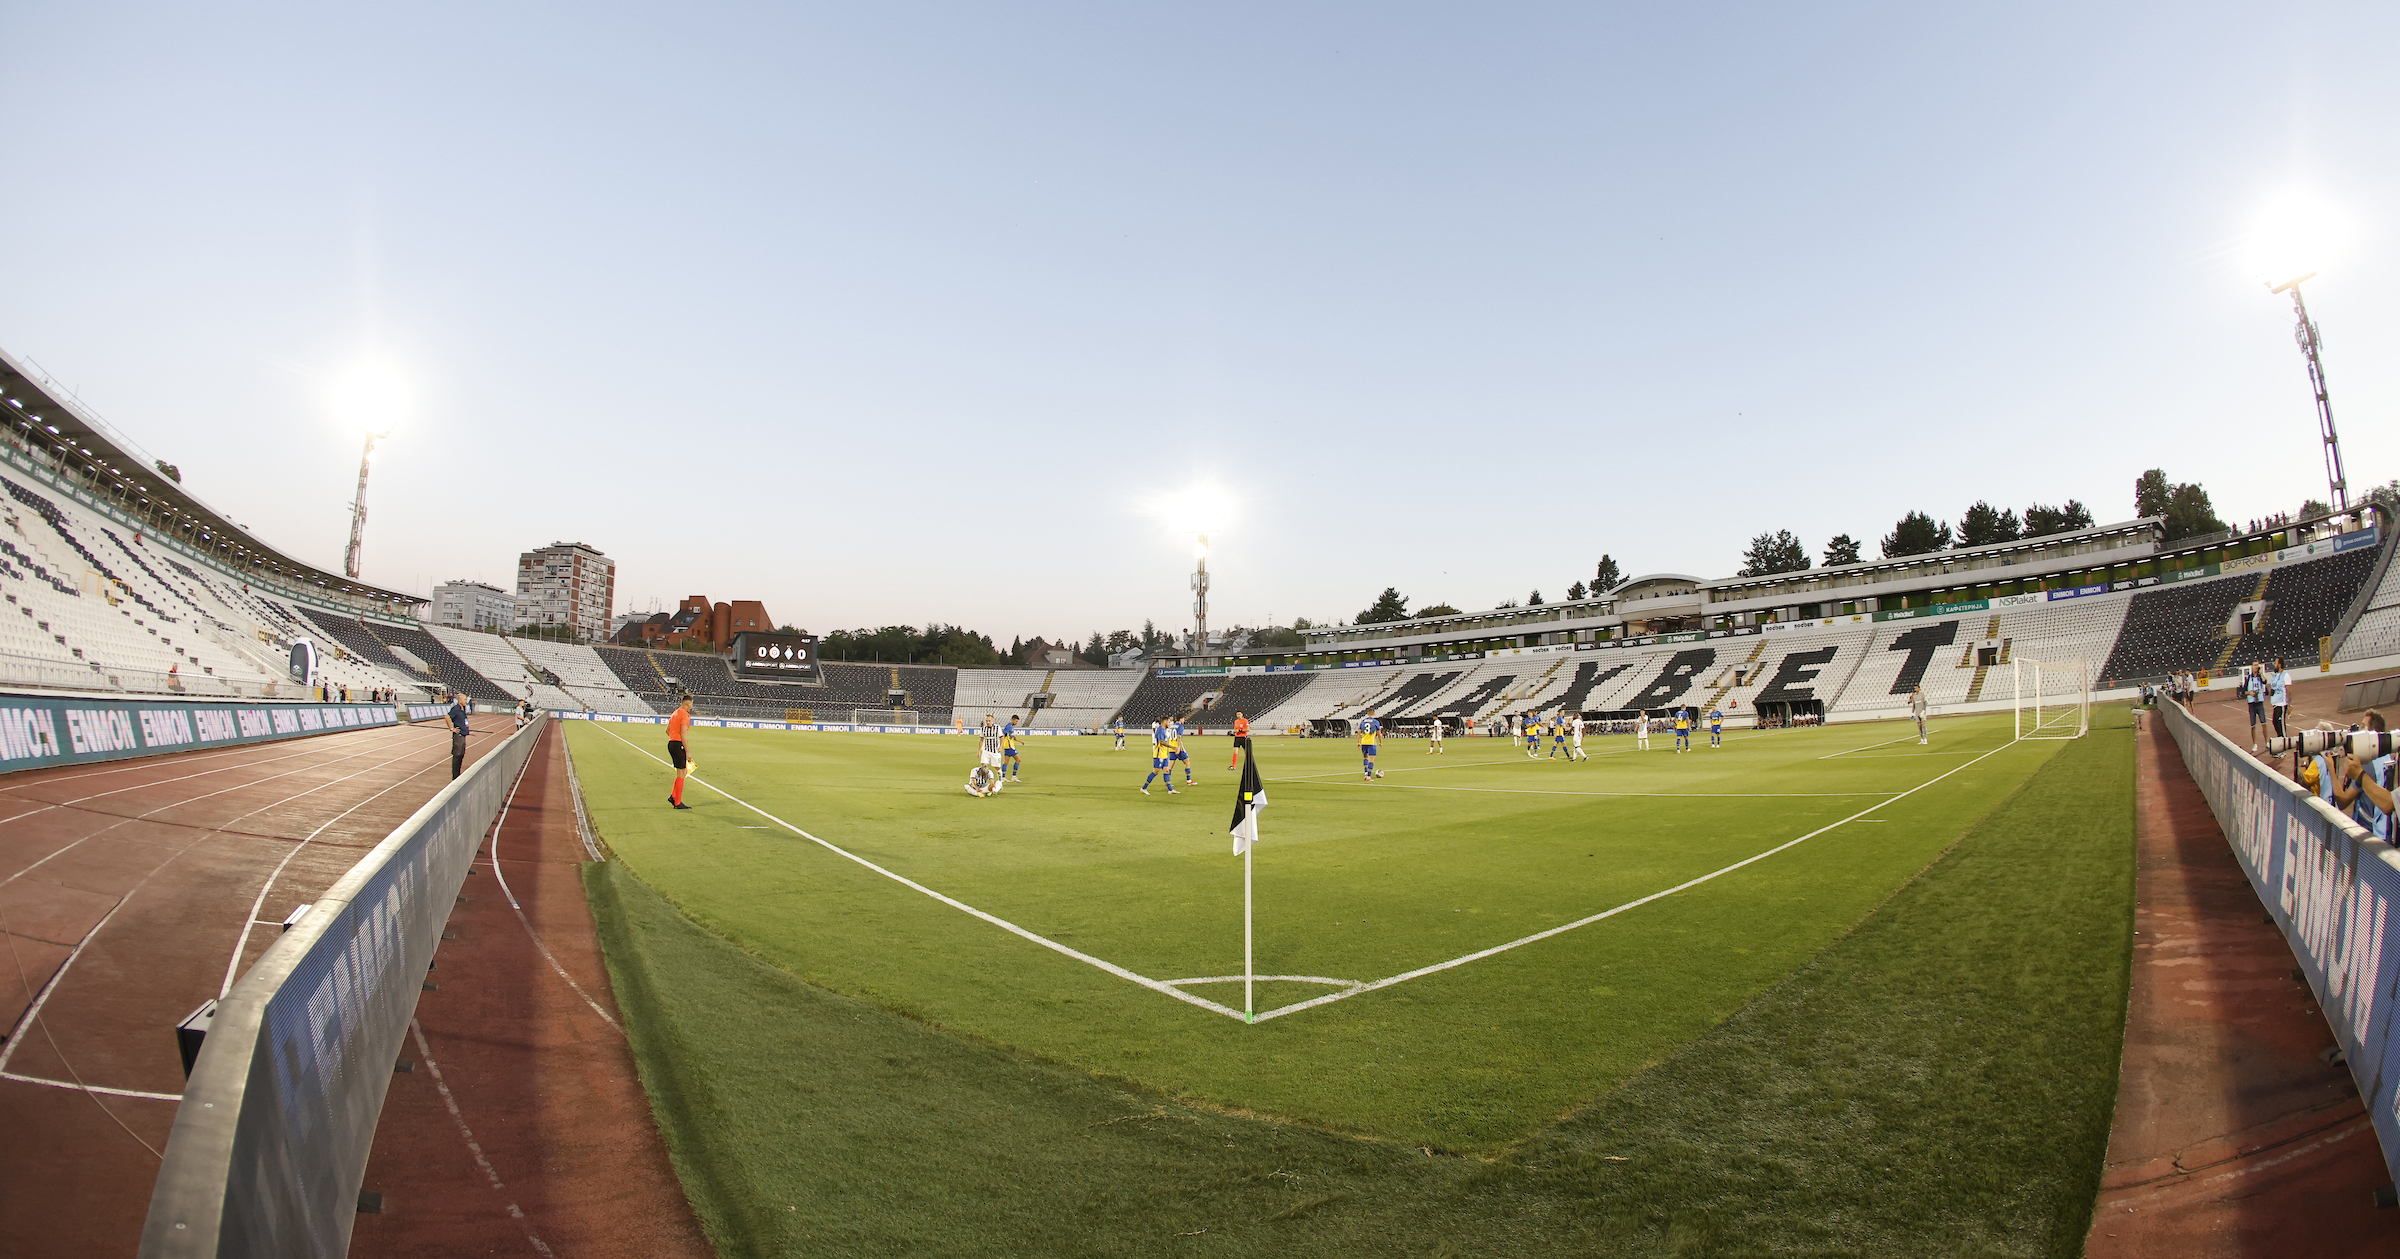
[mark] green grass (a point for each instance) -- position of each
(1353, 882)
(1938, 1080)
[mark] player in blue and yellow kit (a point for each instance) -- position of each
(1370, 734)
(1159, 752)
(1175, 750)
(1683, 730)
(1716, 727)
(1010, 767)
(1558, 737)
(1119, 729)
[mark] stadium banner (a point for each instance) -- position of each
(1938, 609)
(2330, 886)
(737, 723)
(1193, 671)
(47, 730)
(427, 712)
(271, 1137)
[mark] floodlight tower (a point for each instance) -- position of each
(1200, 600)
(358, 506)
(2310, 345)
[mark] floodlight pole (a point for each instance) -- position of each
(2310, 347)
(1200, 601)
(358, 509)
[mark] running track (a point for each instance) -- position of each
(127, 898)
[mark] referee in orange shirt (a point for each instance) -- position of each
(1241, 740)
(678, 724)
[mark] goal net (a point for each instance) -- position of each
(883, 716)
(2054, 698)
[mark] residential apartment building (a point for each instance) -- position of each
(472, 605)
(566, 584)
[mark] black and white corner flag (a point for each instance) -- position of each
(1246, 803)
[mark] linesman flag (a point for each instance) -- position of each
(1246, 804)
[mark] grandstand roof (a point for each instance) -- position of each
(106, 463)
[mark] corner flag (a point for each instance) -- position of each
(1246, 803)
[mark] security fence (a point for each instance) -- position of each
(270, 1142)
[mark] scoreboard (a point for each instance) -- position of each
(776, 658)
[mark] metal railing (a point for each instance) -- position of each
(270, 1142)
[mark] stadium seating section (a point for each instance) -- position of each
(93, 604)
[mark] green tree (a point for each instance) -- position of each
(1391, 605)
(1606, 577)
(2189, 513)
(1535, 601)
(169, 471)
(1439, 609)
(2150, 493)
(1575, 591)
(1984, 525)
(2042, 520)
(1916, 534)
(1777, 552)
(1843, 549)
(2386, 496)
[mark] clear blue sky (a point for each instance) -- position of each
(888, 313)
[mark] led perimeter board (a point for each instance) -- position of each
(776, 658)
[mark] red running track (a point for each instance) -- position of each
(130, 892)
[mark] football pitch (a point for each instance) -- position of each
(1463, 951)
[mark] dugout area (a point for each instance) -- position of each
(1845, 1047)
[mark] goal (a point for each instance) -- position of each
(883, 716)
(2054, 698)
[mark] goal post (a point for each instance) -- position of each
(2053, 698)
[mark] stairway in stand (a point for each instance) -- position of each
(2233, 642)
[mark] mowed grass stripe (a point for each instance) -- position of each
(1938, 1081)
(1352, 884)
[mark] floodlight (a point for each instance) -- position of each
(2295, 234)
(370, 395)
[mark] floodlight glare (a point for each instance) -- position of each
(370, 395)
(2296, 233)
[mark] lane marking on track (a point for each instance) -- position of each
(89, 1088)
(233, 963)
(1170, 989)
(177, 760)
(1002, 923)
(493, 846)
(474, 1147)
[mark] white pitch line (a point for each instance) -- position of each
(1609, 913)
(1668, 795)
(1289, 979)
(1870, 747)
(500, 877)
(1002, 923)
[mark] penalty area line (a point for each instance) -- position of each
(1562, 929)
(954, 903)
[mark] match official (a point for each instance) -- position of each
(679, 723)
(458, 734)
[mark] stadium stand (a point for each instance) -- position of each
(1158, 698)
(1085, 699)
(2377, 632)
(996, 691)
(96, 607)
(1255, 694)
(582, 675)
(2305, 602)
(501, 663)
(931, 689)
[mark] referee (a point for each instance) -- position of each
(1241, 739)
(677, 724)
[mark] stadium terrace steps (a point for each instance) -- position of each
(584, 674)
(1160, 697)
(502, 665)
(1084, 699)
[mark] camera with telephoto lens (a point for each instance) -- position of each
(2364, 744)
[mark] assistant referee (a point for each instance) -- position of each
(678, 723)
(1241, 740)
